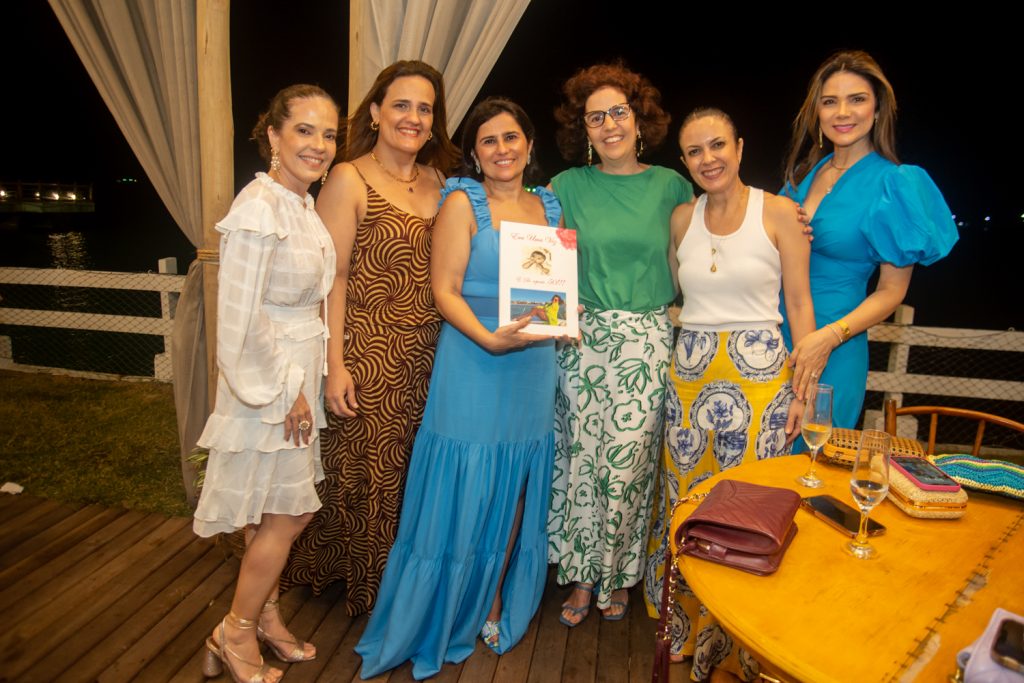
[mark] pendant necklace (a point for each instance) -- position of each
(840, 169)
(405, 181)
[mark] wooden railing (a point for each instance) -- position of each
(166, 282)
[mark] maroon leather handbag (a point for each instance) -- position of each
(742, 525)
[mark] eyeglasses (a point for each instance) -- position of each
(619, 112)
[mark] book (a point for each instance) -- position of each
(537, 278)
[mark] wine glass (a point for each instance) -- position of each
(869, 483)
(816, 426)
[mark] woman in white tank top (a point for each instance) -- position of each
(731, 399)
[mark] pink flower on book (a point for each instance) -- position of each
(567, 237)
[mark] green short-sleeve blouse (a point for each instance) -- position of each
(623, 236)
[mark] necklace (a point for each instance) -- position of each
(406, 181)
(715, 249)
(839, 169)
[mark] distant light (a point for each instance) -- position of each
(3, 193)
(961, 224)
(37, 194)
(54, 195)
(988, 218)
(72, 196)
(954, 216)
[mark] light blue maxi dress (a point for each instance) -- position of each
(486, 439)
(878, 212)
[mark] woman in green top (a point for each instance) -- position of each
(611, 388)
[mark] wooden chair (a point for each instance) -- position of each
(892, 412)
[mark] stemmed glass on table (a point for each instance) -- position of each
(869, 484)
(815, 427)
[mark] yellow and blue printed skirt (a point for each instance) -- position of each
(727, 404)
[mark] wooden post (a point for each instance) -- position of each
(216, 149)
(168, 303)
(356, 83)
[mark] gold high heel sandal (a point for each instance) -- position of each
(217, 654)
(298, 647)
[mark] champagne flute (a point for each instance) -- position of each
(815, 427)
(869, 485)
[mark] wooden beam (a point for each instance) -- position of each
(216, 151)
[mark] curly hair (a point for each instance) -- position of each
(482, 113)
(279, 110)
(804, 142)
(438, 151)
(643, 98)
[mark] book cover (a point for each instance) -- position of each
(537, 278)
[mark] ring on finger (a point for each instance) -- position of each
(304, 426)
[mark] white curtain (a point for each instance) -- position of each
(141, 55)
(460, 38)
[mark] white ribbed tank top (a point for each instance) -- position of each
(743, 290)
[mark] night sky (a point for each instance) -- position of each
(955, 77)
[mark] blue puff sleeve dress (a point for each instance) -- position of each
(878, 212)
(486, 440)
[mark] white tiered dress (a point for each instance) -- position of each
(277, 263)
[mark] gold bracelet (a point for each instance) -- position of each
(836, 332)
(845, 328)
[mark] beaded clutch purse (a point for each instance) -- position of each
(841, 448)
(917, 502)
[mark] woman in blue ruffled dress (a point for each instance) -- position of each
(470, 556)
(868, 212)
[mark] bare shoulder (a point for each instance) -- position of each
(779, 210)
(680, 221)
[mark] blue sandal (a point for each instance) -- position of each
(489, 634)
(616, 617)
(581, 612)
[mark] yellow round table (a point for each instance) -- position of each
(827, 616)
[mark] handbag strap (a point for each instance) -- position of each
(663, 644)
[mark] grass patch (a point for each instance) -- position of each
(91, 441)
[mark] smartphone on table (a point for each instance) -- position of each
(839, 515)
(1008, 646)
(924, 474)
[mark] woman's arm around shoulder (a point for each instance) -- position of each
(342, 207)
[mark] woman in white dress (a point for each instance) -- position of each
(277, 264)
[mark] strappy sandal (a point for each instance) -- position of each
(217, 654)
(616, 617)
(297, 651)
(490, 635)
(581, 612)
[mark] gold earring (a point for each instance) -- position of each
(821, 142)
(590, 153)
(374, 126)
(476, 163)
(430, 136)
(324, 178)
(275, 161)
(640, 143)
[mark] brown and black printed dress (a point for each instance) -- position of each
(391, 328)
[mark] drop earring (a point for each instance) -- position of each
(476, 163)
(639, 143)
(324, 178)
(821, 143)
(590, 153)
(275, 161)
(374, 126)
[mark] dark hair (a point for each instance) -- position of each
(483, 112)
(643, 98)
(280, 109)
(713, 112)
(438, 151)
(806, 127)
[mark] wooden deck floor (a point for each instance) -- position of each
(93, 594)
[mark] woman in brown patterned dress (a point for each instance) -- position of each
(379, 206)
